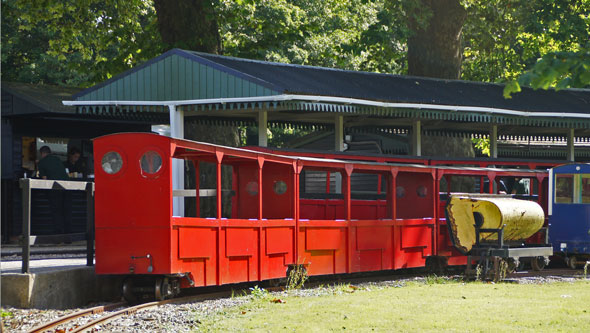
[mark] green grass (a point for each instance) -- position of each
(418, 306)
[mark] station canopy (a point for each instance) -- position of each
(222, 90)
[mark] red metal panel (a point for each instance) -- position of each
(372, 238)
(409, 203)
(279, 240)
(370, 260)
(322, 238)
(197, 242)
(275, 205)
(115, 247)
(240, 242)
(416, 236)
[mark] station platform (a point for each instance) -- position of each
(58, 278)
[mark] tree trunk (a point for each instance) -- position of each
(434, 48)
(188, 24)
(192, 25)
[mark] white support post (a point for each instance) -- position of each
(177, 131)
(416, 138)
(494, 141)
(570, 145)
(339, 133)
(262, 128)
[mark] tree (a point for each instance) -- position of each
(188, 24)
(434, 45)
(78, 44)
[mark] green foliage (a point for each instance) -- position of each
(483, 145)
(75, 43)
(5, 314)
(355, 35)
(558, 70)
(259, 293)
(296, 277)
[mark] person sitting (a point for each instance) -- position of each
(74, 164)
(51, 167)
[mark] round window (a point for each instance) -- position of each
(400, 192)
(252, 188)
(111, 162)
(151, 162)
(422, 191)
(280, 187)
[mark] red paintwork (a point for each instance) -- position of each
(269, 231)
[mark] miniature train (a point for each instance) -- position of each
(336, 215)
(569, 212)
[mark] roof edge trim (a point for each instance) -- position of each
(338, 100)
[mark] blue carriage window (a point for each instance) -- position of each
(564, 188)
(586, 188)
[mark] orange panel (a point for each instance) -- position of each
(240, 242)
(320, 262)
(372, 238)
(197, 242)
(238, 270)
(279, 240)
(322, 238)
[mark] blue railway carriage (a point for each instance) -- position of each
(569, 212)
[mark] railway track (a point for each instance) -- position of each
(66, 321)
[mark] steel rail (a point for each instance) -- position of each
(67, 318)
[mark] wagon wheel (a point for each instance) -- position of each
(538, 263)
(513, 264)
(571, 262)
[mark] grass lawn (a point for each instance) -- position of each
(416, 306)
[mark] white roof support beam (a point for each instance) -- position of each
(570, 145)
(177, 131)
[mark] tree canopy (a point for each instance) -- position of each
(538, 43)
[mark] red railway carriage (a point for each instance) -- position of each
(333, 216)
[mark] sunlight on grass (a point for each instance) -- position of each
(452, 306)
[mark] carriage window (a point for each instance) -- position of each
(564, 188)
(586, 188)
(150, 162)
(111, 162)
(280, 187)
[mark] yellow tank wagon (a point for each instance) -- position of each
(520, 218)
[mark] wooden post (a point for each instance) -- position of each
(89, 224)
(494, 141)
(339, 133)
(570, 145)
(262, 128)
(417, 138)
(25, 185)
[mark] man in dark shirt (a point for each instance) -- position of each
(51, 167)
(74, 164)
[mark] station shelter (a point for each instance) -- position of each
(182, 88)
(33, 116)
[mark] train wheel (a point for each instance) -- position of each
(571, 262)
(538, 263)
(128, 293)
